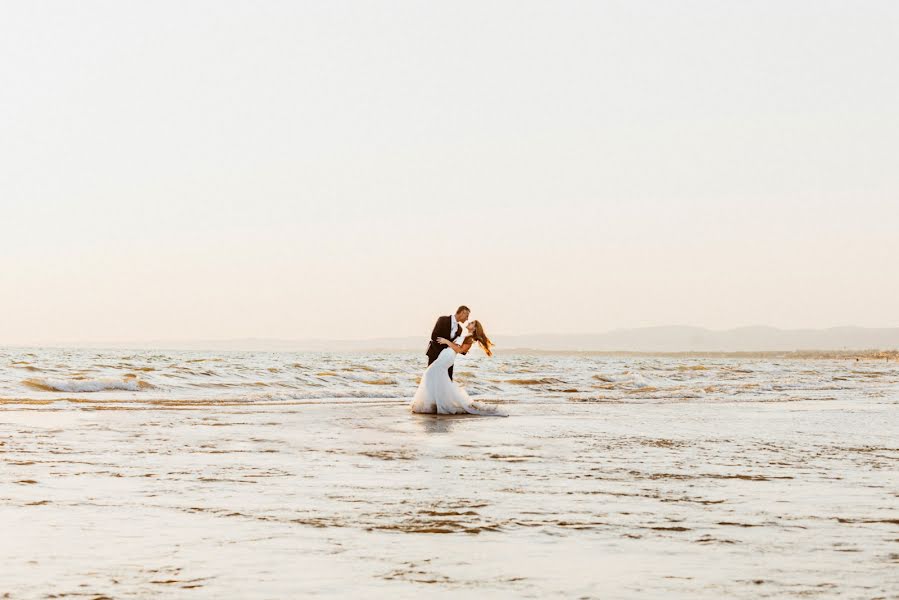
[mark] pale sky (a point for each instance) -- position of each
(178, 170)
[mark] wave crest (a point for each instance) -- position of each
(47, 384)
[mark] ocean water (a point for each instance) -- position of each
(257, 475)
(39, 375)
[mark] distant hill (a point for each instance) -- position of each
(647, 339)
(698, 339)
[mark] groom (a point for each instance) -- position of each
(446, 327)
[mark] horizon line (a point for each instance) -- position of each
(158, 343)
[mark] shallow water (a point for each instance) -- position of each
(657, 478)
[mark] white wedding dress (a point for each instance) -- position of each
(437, 393)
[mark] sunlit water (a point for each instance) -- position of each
(260, 475)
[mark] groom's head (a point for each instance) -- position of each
(462, 314)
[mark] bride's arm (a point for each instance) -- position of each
(456, 347)
(463, 349)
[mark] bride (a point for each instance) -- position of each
(437, 393)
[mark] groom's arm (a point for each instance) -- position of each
(436, 332)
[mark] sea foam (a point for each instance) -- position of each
(85, 385)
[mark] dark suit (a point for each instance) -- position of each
(442, 329)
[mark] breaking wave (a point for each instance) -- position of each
(131, 384)
(89, 375)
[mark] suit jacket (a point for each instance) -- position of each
(441, 329)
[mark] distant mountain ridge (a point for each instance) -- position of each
(646, 339)
(699, 339)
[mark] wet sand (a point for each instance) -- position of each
(691, 500)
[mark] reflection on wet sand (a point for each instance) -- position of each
(438, 423)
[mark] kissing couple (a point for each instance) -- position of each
(437, 393)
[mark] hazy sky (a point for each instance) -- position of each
(354, 169)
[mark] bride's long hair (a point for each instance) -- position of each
(481, 338)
